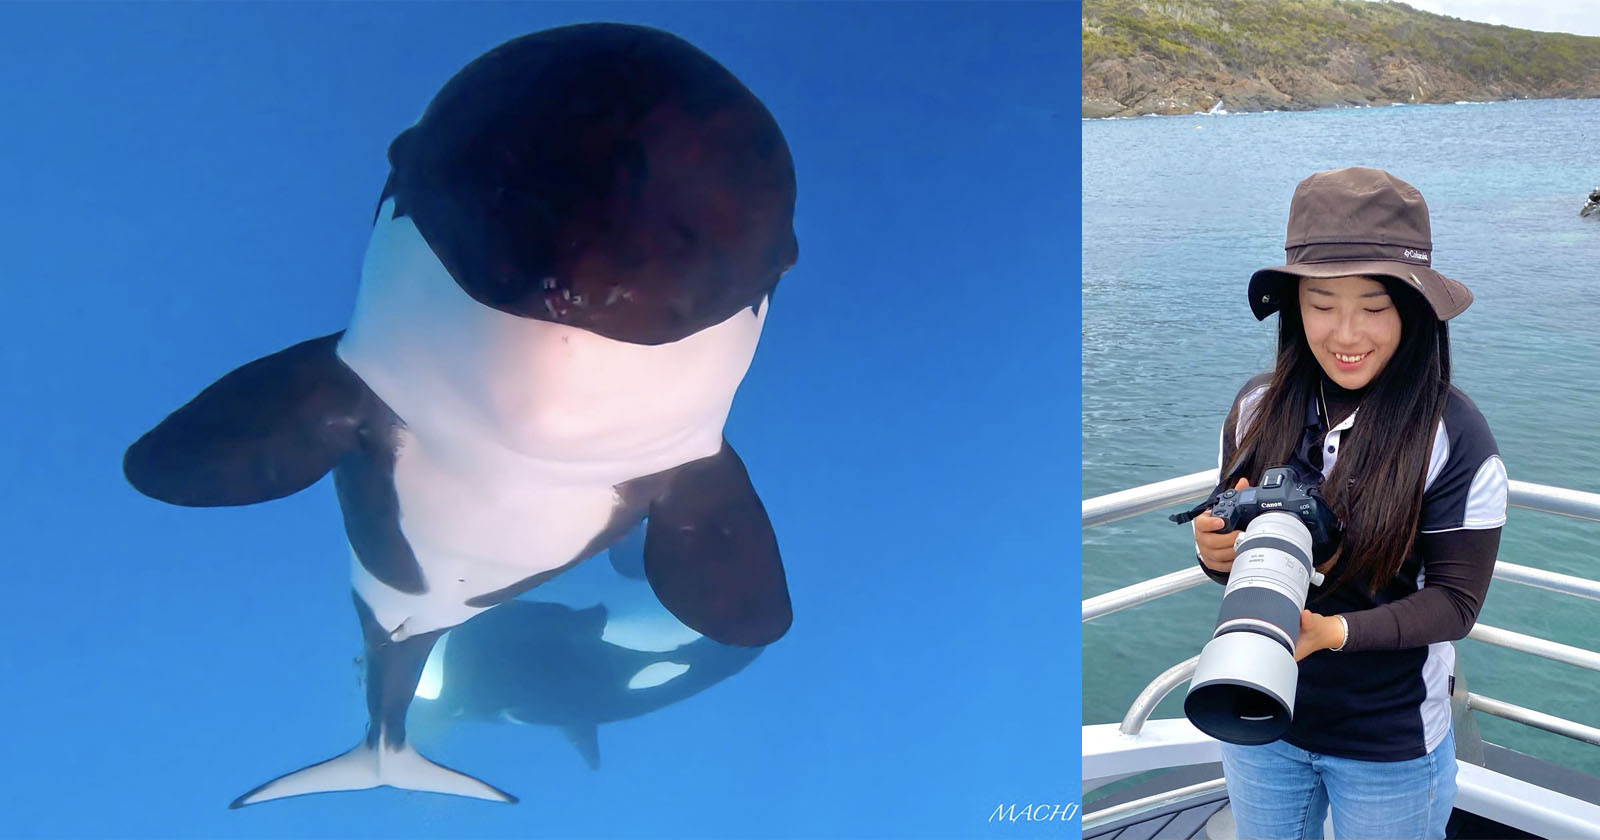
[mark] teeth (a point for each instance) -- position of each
(1349, 359)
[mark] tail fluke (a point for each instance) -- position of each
(370, 766)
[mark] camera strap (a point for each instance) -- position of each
(1307, 457)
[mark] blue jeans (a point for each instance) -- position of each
(1282, 791)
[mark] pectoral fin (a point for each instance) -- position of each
(262, 432)
(711, 556)
(585, 738)
(627, 554)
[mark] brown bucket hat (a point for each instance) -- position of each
(1352, 221)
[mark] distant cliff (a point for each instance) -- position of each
(1180, 56)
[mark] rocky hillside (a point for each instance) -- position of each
(1181, 56)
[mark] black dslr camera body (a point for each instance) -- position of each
(1282, 488)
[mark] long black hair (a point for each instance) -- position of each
(1376, 485)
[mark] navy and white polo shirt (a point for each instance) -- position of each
(1391, 705)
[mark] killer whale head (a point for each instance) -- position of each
(574, 251)
(608, 177)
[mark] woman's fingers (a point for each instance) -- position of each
(1215, 546)
(1216, 549)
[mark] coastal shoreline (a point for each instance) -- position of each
(1152, 57)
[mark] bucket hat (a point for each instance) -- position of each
(1358, 221)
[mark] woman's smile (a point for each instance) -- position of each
(1351, 326)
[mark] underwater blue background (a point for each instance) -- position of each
(190, 187)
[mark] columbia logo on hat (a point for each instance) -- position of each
(1417, 255)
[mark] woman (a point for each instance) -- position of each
(1361, 394)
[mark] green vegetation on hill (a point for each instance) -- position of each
(1168, 56)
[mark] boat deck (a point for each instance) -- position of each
(1185, 820)
(1182, 823)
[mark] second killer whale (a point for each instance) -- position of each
(589, 648)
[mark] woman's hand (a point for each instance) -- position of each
(1318, 632)
(1216, 548)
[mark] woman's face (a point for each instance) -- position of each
(1351, 326)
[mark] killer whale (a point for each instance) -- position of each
(591, 647)
(569, 270)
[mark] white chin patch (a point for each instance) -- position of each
(656, 674)
(448, 364)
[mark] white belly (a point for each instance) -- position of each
(478, 530)
(516, 430)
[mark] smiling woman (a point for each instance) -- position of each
(1351, 326)
(1417, 482)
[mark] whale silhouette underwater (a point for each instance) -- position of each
(592, 646)
(568, 273)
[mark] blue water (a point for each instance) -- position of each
(1178, 211)
(191, 187)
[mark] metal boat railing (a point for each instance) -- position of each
(1195, 486)
(1177, 675)
(1522, 494)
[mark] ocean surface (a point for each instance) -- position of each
(191, 187)
(1178, 211)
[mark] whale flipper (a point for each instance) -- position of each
(585, 737)
(267, 430)
(627, 554)
(372, 765)
(711, 557)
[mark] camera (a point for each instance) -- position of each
(1282, 488)
(1244, 684)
